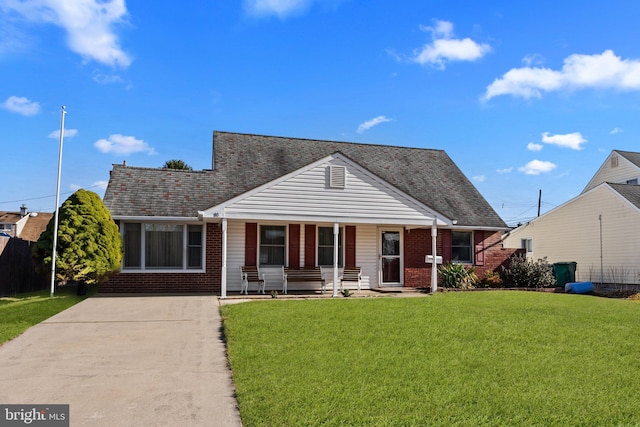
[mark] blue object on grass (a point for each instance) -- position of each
(578, 287)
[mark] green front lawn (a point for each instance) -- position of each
(19, 313)
(468, 359)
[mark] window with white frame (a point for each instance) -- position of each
(272, 244)
(461, 248)
(160, 246)
(5, 227)
(326, 247)
(527, 245)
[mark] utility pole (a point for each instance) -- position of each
(539, 201)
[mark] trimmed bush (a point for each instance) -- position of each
(524, 273)
(491, 280)
(89, 244)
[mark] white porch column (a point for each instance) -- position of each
(223, 276)
(336, 232)
(434, 267)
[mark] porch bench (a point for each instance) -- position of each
(251, 274)
(351, 274)
(311, 274)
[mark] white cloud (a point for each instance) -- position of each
(123, 144)
(441, 29)
(21, 105)
(105, 79)
(603, 71)
(89, 25)
(100, 185)
(479, 178)
(570, 140)
(534, 147)
(536, 167)
(280, 8)
(68, 133)
(445, 48)
(504, 170)
(616, 130)
(532, 59)
(371, 123)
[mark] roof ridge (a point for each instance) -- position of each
(328, 141)
(204, 171)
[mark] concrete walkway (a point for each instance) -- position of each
(126, 361)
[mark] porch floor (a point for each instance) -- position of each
(293, 294)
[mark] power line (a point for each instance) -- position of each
(44, 197)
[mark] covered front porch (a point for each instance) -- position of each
(329, 214)
(381, 252)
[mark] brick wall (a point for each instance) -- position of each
(208, 282)
(417, 244)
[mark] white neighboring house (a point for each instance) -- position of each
(599, 229)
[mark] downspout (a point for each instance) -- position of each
(601, 258)
(434, 267)
(223, 275)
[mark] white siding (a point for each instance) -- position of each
(620, 174)
(308, 194)
(572, 233)
(367, 254)
(366, 258)
(235, 254)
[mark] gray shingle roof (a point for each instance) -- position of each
(243, 162)
(632, 156)
(628, 191)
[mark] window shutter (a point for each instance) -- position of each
(446, 245)
(479, 246)
(337, 176)
(294, 245)
(250, 243)
(309, 245)
(350, 246)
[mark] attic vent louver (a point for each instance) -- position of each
(614, 162)
(337, 177)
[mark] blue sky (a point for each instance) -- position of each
(523, 96)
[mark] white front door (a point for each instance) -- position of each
(390, 255)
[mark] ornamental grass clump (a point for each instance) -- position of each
(457, 276)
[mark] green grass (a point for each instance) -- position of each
(454, 359)
(19, 313)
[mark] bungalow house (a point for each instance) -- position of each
(273, 202)
(599, 229)
(24, 224)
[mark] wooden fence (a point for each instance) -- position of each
(18, 269)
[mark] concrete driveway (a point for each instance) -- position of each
(126, 361)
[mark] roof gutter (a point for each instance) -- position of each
(182, 219)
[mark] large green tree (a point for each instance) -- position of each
(176, 164)
(89, 243)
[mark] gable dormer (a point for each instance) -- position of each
(619, 167)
